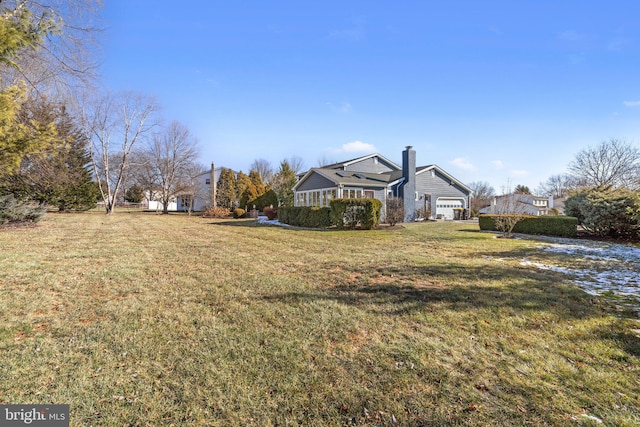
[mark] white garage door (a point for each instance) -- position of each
(445, 207)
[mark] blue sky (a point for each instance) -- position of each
(497, 91)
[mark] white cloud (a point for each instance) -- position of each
(355, 147)
(497, 164)
(358, 147)
(519, 172)
(631, 103)
(463, 163)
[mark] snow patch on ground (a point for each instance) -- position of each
(597, 267)
(267, 221)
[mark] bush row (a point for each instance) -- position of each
(352, 213)
(564, 226)
(343, 213)
(313, 217)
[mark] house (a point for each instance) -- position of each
(520, 203)
(203, 191)
(427, 191)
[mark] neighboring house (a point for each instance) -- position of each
(204, 191)
(520, 203)
(425, 189)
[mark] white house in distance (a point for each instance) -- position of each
(520, 203)
(205, 192)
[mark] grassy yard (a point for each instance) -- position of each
(143, 319)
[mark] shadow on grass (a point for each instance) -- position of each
(238, 223)
(399, 290)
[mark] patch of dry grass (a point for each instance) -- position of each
(142, 319)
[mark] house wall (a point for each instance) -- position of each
(437, 186)
(370, 166)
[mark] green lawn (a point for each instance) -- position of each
(144, 319)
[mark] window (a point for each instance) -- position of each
(208, 181)
(369, 194)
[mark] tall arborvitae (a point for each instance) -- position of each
(227, 189)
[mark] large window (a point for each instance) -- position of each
(352, 193)
(316, 197)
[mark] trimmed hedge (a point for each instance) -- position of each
(564, 226)
(302, 216)
(351, 213)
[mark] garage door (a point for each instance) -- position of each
(445, 207)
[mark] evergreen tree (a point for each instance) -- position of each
(134, 194)
(256, 179)
(227, 189)
(58, 175)
(246, 189)
(284, 181)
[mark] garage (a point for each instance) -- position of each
(446, 207)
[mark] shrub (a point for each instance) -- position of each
(564, 226)
(395, 210)
(612, 213)
(239, 213)
(302, 216)
(216, 212)
(351, 213)
(15, 211)
(270, 198)
(270, 212)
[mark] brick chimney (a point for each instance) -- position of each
(213, 186)
(408, 189)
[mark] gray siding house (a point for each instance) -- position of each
(428, 191)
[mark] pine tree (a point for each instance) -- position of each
(227, 189)
(256, 179)
(284, 181)
(58, 175)
(246, 189)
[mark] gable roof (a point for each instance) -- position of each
(450, 177)
(353, 178)
(359, 159)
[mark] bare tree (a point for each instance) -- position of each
(558, 185)
(264, 169)
(612, 164)
(114, 124)
(193, 188)
(171, 155)
(510, 210)
(296, 164)
(63, 55)
(324, 161)
(483, 193)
